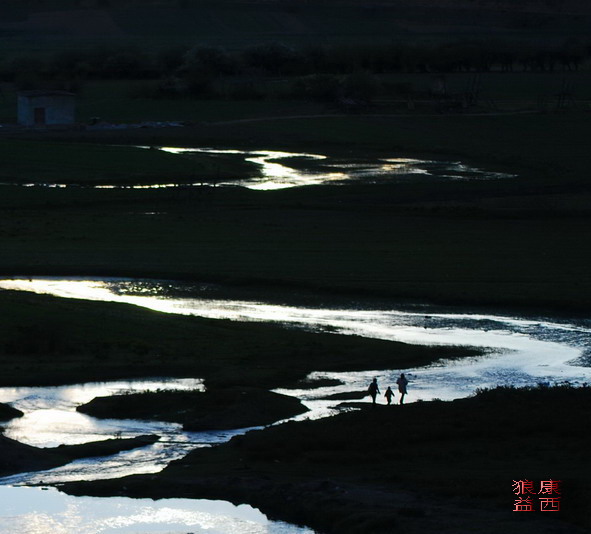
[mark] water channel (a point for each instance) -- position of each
(280, 170)
(518, 351)
(43, 510)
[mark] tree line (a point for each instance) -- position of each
(319, 72)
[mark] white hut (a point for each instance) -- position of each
(46, 108)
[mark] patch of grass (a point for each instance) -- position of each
(491, 440)
(39, 161)
(55, 341)
(7, 412)
(356, 241)
(220, 409)
(421, 462)
(17, 457)
(510, 242)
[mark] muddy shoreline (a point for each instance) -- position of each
(308, 294)
(17, 457)
(416, 468)
(222, 409)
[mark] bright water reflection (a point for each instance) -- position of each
(277, 170)
(521, 351)
(280, 170)
(36, 511)
(50, 412)
(51, 419)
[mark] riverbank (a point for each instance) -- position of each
(419, 468)
(16, 457)
(95, 341)
(222, 409)
(7, 412)
(505, 243)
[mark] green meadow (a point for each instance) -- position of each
(517, 244)
(515, 241)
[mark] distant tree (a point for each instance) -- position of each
(274, 58)
(571, 54)
(249, 89)
(214, 60)
(127, 63)
(171, 86)
(361, 86)
(169, 60)
(315, 58)
(27, 72)
(320, 87)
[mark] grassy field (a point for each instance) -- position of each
(516, 243)
(222, 409)
(122, 101)
(75, 163)
(444, 257)
(511, 242)
(48, 341)
(412, 468)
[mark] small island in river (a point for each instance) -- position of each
(411, 468)
(16, 457)
(221, 409)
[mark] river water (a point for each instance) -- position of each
(281, 170)
(518, 351)
(45, 510)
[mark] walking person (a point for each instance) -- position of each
(402, 383)
(373, 390)
(389, 394)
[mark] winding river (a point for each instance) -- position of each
(518, 351)
(281, 170)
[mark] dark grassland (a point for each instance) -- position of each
(510, 242)
(49, 341)
(425, 467)
(94, 164)
(518, 243)
(17, 457)
(222, 409)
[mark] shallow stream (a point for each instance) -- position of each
(281, 170)
(518, 351)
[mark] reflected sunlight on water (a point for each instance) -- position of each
(39, 511)
(280, 170)
(518, 351)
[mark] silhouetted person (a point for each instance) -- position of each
(402, 383)
(389, 394)
(373, 390)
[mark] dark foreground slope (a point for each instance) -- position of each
(425, 467)
(16, 457)
(7, 412)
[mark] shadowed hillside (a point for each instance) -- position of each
(235, 24)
